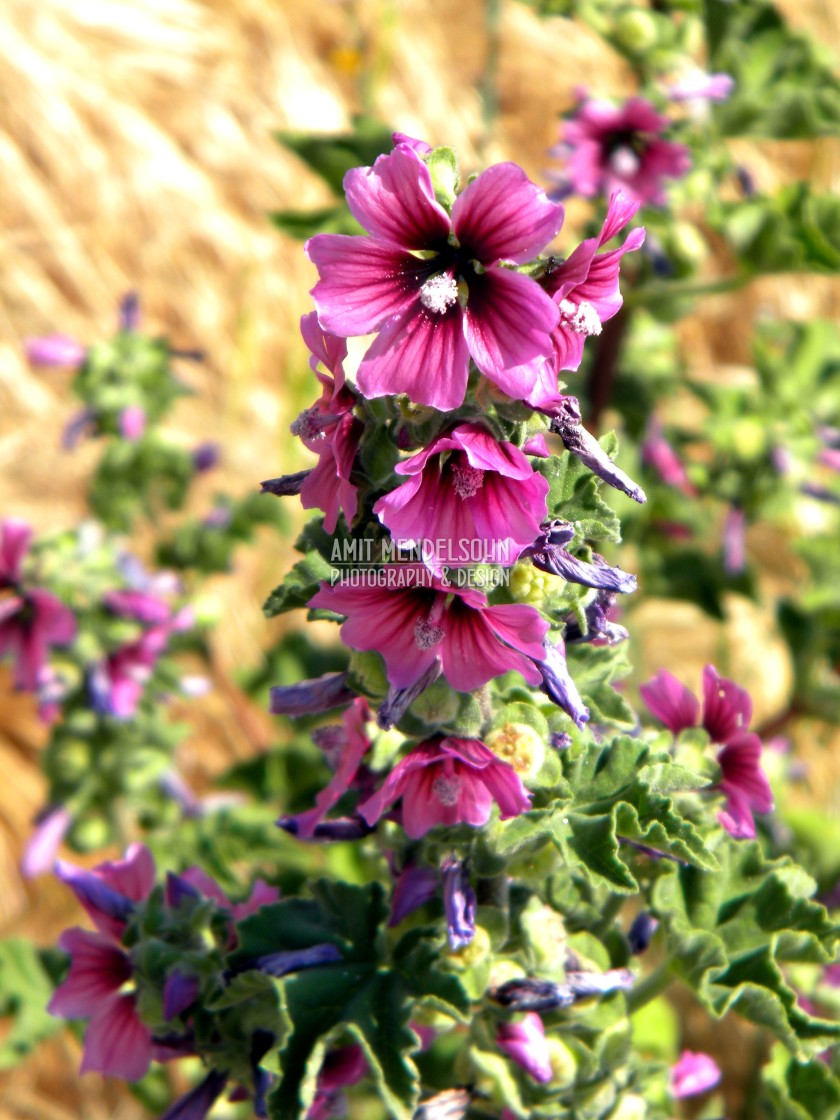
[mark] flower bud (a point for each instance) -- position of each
(520, 746)
(635, 31)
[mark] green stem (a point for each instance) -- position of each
(653, 985)
(609, 912)
(489, 90)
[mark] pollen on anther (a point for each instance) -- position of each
(426, 634)
(581, 317)
(308, 425)
(447, 790)
(439, 293)
(466, 480)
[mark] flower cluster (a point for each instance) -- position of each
(727, 710)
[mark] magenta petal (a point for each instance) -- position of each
(53, 620)
(420, 353)
(363, 283)
(502, 215)
(133, 876)
(352, 753)
(395, 201)
(727, 709)
(526, 1044)
(262, 894)
(508, 323)
(671, 702)
(421, 757)
(98, 969)
(694, 1073)
(117, 1044)
(473, 650)
(326, 348)
(15, 536)
(742, 776)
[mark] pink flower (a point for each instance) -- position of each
(412, 618)
(699, 86)
(621, 148)
(585, 289)
(734, 544)
(744, 784)
(727, 710)
(117, 1043)
(30, 620)
(351, 747)
(329, 429)
(132, 422)
(118, 683)
(55, 350)
(466, 487)
(694, 1073)
(433, 312)
(526, 1043)
(448, 782)
(661, 457)
(50, 829)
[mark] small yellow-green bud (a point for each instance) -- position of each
(528, 584)
(749, 438)
(636, 31)
(563, 1062)
(520, 746)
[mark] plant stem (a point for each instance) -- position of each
(489, 84)
(653, 985)
(602, 372)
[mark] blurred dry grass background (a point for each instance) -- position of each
(136, 149)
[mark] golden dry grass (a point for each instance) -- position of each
(136, 148)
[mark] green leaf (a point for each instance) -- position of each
(331, 157)
(25, 991)
(594, 842)
(298, 586)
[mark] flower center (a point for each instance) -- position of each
(426, 634)
(447, 790)
(439, 293)
(624, 162)
(308, 425)
(466, 480)
(581, 317)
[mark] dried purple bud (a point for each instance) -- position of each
(459, 903)
(197, 1103)
(399, 700)
(285, 961)
(205, 457)
(415, 886)
(560, 740)
(337, 830)
(129, 315)
(578, 440)
(177, 889)
(584, 984)
(92, 892)
(286, 486)
(528, 994)
(641, 931)
(558, 684)
(310, 697)
(179, 992)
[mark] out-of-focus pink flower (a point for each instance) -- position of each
(329, 428)
(352, 744)
(733, 541)
(727, 710)
(701, 86)
(117, 684)
(448, 781)
(55, 350)
(31, 620)
(433, 312)
(660, 456)
(415, 619)
(466, 488)
(694, 1073)
(132, 422)
(40, 852)
(526, 1044)
(621, 147)
(744, 785)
